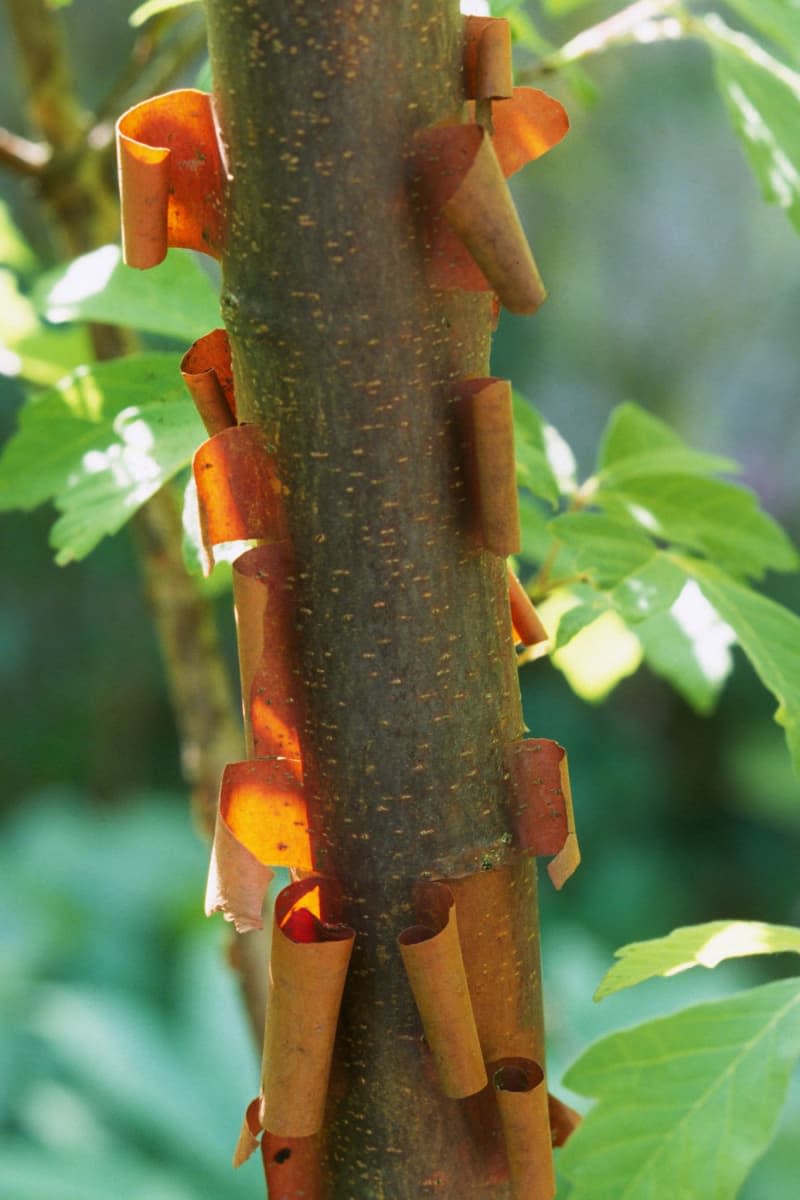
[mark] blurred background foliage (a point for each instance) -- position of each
(124, 1059)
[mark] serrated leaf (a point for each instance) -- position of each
(704, 945)
(100, 444)
(762, 96)
(146, 445)
(175, 299)
(722, 520)
(636, 443)
(768, 633)
(533, 467)
(778, 19)
(689, 647)
(604, 548)
(687, 1103)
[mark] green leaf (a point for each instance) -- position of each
(769, 635)
(152, 7)
(722, 520)
(100, 444)
(557, 8)
(778, 19)
(695, 946)
(601, 654)
(534, 529)
(689, 647)
(533, 467)
(687, 1103)
(649, 590)
(14, 249)
(576, 619)
(175, 299)
(603, 547)
(636, 443)
(762, 96)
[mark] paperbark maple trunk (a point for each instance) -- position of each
(344, 356)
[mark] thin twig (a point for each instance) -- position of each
(20, 155)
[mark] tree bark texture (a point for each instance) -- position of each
(345, 357)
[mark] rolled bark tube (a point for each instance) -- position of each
(170, 173)
(521, 1093)
(264, 601)
(434, 965)
(488, 425)
(292, 1167)
(206, 371)
(541, 804)
(238, 490)
(487, 58)
(525, 621)
(456, 173)
(308, 965)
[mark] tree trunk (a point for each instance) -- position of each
(345, 357)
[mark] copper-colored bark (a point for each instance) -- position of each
(170, 177)
(238, 490)
(527, 625)
(487, 58)
(207, 373)
(489, 434)
(307, 970)
(521, 1094)
(432, 958)
(541, 804)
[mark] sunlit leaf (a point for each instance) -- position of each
(762, 96)
(695, 946)
(768, 633)
(778, 19)
(175, 299)
(650, 589)
(689, 646)
(14, 249)
(152, 7)
(100, 444)
(687, 1103)
(596, 658)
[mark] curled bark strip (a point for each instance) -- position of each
(526, 127)
(502, 970)
(488, 426)
(292, 1167)
(263, 805)
(541, 804)
(432, 958)
(487, 58)
(308, 965)
(170, 175)
(459, 177)
(249, 1135)
(563, 1119)
(263, 594)
(238, 491)
(237, 881)
(207, 373)
(527, 626)
(522, 1100)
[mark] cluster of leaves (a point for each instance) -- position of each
(757, 75)
(651, 558)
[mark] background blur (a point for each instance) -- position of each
(125, 1064)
